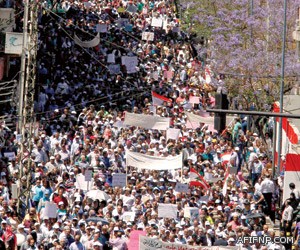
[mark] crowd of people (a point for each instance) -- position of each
(80, 106)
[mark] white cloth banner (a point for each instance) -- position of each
(13, 43)
(87, 44)
(173, 133)
(146, 121)
(197, 119)
(143, 161)
(146, 243)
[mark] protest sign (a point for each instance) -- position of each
(111, 58)
(134, 238)
(13, 43)
(181, 187)
(131, 8)
(191, 212)
(122, 22)
(128, 216)
(167, 211)
(114, 69)
(130, 63)
(173, 133)
(88, 175)
(102, 28)
(157, 22)
(50, 210)
(19, 138)
(10, 155)
(119, 180)
(14, 191)
(87, 4)
(82, 184)
(148, 36)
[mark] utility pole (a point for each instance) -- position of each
(279, 139)
(27, 91)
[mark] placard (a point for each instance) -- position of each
(7, 19)
(128, 216)
(122, 22)
(130, 63)
(82, 184)
(111, 58)
(119, 180)
(13, 43)
(14, 191)
(10, 155)
(167, 211)
(114, 69)
(191, 212)
(87, 4)
(50, 210)
(121, 10)
(181, 187)
(88, 174)
(232, 170)
(131, 8)
(102, 28)
(148, 36)
(157, 22)
(173, 133)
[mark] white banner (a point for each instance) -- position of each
(13, 43)
(142, 161)
(146, 243)
(7, 19)
(87, 44)
(173, 133)
(146, 121)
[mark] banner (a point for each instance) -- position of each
(143, 161)
(195, 120)
(7, 19)
(146, 243)
(146, 121)
(13, 43)
(87, 44)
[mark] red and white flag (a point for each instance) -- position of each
(197, 180)
(225, 158)
(224, 191)
(159, 99)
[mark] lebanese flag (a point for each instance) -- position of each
(225, 158)
(197, 180)
(224, 191)
(159, 99)
(289, 133)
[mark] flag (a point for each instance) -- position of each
(197, 180)
(159, 99)
(225, 158)
(224, 191)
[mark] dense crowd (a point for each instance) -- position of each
(81, 105)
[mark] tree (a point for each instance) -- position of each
(245, 44)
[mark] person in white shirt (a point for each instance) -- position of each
(287, 216)
(294, 190)
(267, 189)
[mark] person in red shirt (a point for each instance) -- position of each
(60, 197)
